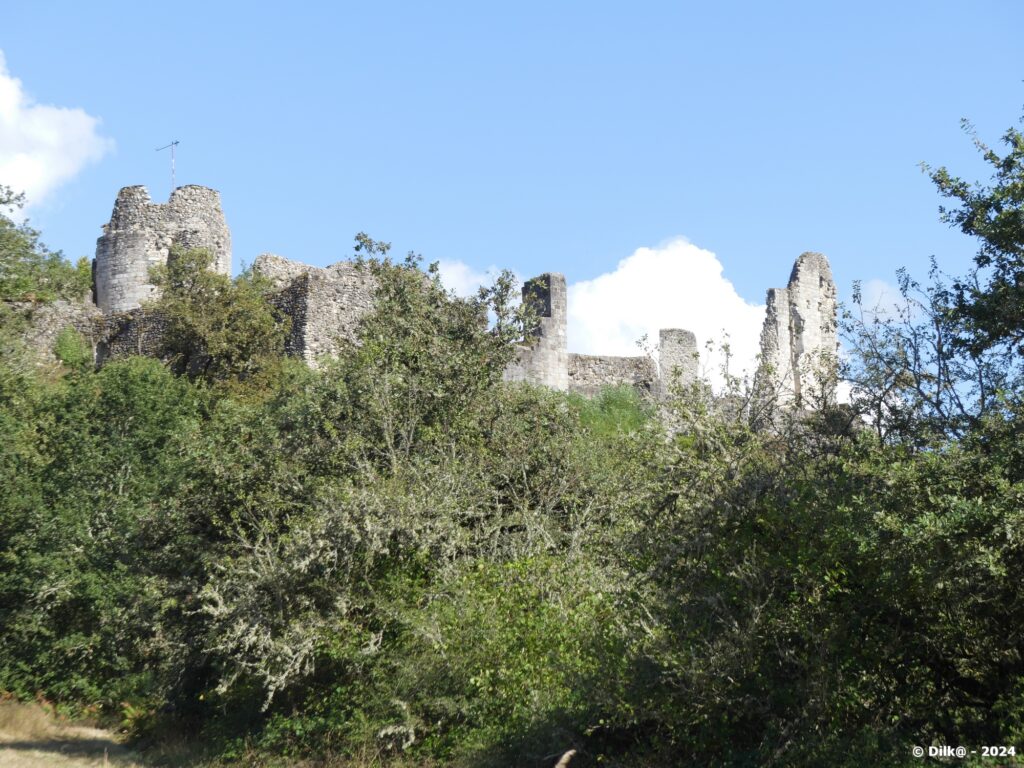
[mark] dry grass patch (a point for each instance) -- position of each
(31, 737)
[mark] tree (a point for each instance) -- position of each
(218, 329)
(28, 270)
(990, 300)
(424, 358)
(951, 352)
(911, 376)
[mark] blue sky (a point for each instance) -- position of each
(535, 136)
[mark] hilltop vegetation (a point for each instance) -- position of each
(401, 559)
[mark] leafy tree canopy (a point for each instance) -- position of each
(991, 299)
(28, 270)
(218, 329)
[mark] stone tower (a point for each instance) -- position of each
(677, 359)
(140, 235)
(799, 345)
(544, 358)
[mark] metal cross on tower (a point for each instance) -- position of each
(171, 146)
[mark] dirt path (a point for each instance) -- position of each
(30, 738)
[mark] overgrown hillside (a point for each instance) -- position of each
(399, 559)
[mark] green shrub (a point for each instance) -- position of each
(72, 349)
(613, 409)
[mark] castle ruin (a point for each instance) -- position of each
(325, 305)
(140, 235)
(799, 343)
(544, 357)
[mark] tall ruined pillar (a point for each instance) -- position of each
(140, 234)
(677, 359)
(799, 344)
(544, 358)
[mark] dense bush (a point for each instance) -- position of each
(400, 559)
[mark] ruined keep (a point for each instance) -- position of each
(325, 305)
(140, 234)
(799, 343)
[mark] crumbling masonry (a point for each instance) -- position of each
(799, 345)
(798, 342)
(140, 235)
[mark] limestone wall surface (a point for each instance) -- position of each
(799, 341)
(140, 234)
(325, 304)
(678, 359)
(589, 374)
(544, 357)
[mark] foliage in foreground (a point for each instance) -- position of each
(29, 271)
(399, 559)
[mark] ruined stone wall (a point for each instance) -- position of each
(293, 301)
(136, 332)
(110, 337)
(589, 374)
(678, 359)
(798, 340)
(799, 343)
(776, 368)
(544, 358)
(325, 304)
(140, 234)
(44, 323)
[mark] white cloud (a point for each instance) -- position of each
(464, 279)
(43, 146)
(675, 285)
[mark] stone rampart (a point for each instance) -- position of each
(135, 332)
(110, 337)
(44, 323)
(589, 374)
